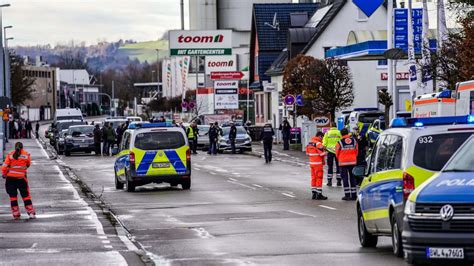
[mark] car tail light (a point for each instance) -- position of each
(132, 158)
(188, 155)
(408, 185)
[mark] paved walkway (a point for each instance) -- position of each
(67, 231)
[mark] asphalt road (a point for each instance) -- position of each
(239, 211)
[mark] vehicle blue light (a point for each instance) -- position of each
(398, 122)
(445, 94)
(418, 124)
(470, 119)
(149, 125)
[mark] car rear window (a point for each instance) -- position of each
(159, 140)
(369, 118)
(433, 151)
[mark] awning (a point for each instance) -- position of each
(369, 50)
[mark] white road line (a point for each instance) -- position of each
(303, 214)
(289, 195)
(197, 169)
(42, 149)
(212, 173)
(105, 242)
(231, 179)
(240, 184)
(108, 246)
(34, 245)
(102, 237)
(257, 185)
(327, 207)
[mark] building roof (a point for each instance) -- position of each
(278, 66)
(337, 5)
(275, 39)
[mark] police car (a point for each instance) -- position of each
(439, 215)
(153, 153)
(404, 157)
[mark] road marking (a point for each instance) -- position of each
(108, 246)
(257, 185)
(195, 168)
(102, 237)
(303, 214)
(42, 149)
(240, 184)
(34, 245)
(105, 242)
(289, 195)
(202, 233)
(231, 179)
(327, 207)
(212, 173)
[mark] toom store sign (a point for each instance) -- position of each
(208, 43)
(221, 63)
(400, 76)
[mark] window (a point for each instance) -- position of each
(389, 153)
(433, 151)
(463, 160)
(382, 62)
(125, 145)
(159, 140)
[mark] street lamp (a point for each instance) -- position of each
(7, 61)
(157, 70)
(2, 78)
(394, 54)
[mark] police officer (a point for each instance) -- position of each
(329, 141)
(213, 134)
(191, 137)
(316, 152)
(267, 137)
(232, 136)
(362, 144)
(346, 154)
(285, 129)
(14, 170)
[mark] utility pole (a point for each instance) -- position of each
(182, 14)
(112, 103)
(2, 68)
(158, 71)
(391, 74)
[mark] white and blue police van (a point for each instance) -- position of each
(438, 226)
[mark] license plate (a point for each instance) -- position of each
(445, 253)
(161, 165)
(83, 145)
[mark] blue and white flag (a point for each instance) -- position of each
(413, 81)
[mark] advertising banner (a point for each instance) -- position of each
(208, 42)
(221, 63)
(226, 95)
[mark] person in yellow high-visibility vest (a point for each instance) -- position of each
(330, 140)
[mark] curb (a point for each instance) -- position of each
(121, 230)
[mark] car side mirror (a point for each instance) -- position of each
(359, 171)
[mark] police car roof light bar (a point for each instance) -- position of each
(426, 121)
(149, 125)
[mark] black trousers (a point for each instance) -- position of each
(267, 151)
(286, 143)
(232, 145)
(97, 148)
(13, 185)
(331, 158)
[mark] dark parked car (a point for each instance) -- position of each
(60, 126)
(79, 139)
(243, 142)
(61, 141)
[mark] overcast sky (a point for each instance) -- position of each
(60, 21)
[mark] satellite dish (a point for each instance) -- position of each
(275, 24)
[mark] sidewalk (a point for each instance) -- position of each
(68, 228)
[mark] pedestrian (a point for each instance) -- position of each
(16, 127)
(14, 170)
(331, 138)
(11, 128)
(362, 144)
(28, 128)
(285, 129)
(20, 129)
(213, 134)
(119, 133)
(346, 154)
(191, 134)
(111, 137)
(37, 128)
(162, 119)
(97, 139)
(196, 136)
(105, 145)
(316, 152)
(232, 136)
(267, 138)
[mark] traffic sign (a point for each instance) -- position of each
(191, 105)
(289, 99)
(184, 104)
(299, 100)
(228, 75)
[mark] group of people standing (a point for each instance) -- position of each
(340, 148)
(20, 129)
(107, 137)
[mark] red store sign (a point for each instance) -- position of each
(400, 76)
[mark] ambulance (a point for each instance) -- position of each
(447, 102)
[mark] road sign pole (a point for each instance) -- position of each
(248, 99)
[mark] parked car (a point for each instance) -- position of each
(243, 142)
(60, 143)
(203, 139)
(60, 126)
(79, 138)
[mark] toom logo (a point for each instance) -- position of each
(201, 39)
(200, 42)
(220, 63)
(226, 84)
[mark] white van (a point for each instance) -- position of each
(68, 114)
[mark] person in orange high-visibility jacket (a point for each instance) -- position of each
(346, 154)
(14, 170)
(316, 152)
